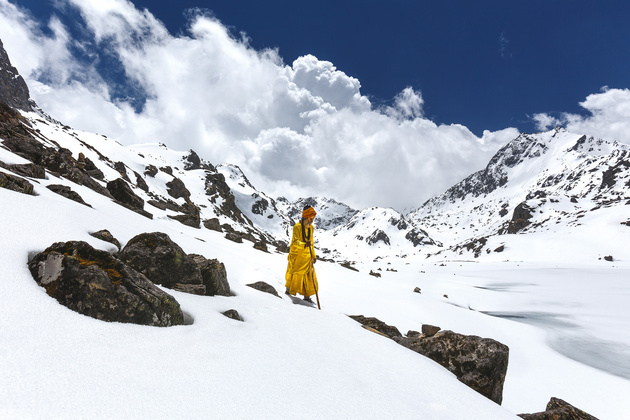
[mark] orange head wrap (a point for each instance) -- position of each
(308, 213)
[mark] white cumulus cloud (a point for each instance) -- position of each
(296, 130)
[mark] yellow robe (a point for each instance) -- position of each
(298, 276)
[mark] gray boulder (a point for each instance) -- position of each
(95, 283)
(163, 262)
(480, 363)
(214, 276)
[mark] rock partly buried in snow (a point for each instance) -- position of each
(480, 363)
(124, 195)
(264, 287)
(94, 283)
(15, 183)
(558, 409)
(214, 276)
(163, 262)
(67, 192)
(105, 235)
(378, 325)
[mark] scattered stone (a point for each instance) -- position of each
(558, 409)
(95, 283)
(233, 314)
(372, 273)
(609, 258)
(500, 248)
(264, 287)
(348, 265)
(163, 262)
(417, 290)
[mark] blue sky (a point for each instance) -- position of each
(483, 64)
(371, 102)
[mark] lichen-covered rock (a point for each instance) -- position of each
(95, 283)
(214, 276)
(163, 262)
(15, 183)
(480, 363)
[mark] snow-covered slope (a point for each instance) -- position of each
(560, 303)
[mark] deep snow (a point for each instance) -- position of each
(550, 296)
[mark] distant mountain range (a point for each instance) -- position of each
(536, 182)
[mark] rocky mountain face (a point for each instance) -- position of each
(13, 89)
(535, 182)
(330, 213)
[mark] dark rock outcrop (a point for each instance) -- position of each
(214, 276)
(124, 195)
(96, 284)
(558, 409)
(378, 236)
(15, 183)
(163, 262)
(480, 363)
(520, 219)
(13, 89)
(177, 189)
(67, 192)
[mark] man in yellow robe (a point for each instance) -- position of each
(300, 276)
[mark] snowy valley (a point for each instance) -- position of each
(531, 251)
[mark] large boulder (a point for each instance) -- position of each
(214, 276)
(163, 262)
(95, 283)
(480, 363)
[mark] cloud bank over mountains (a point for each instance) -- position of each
(296, 130)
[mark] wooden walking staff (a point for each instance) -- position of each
(313, 278)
